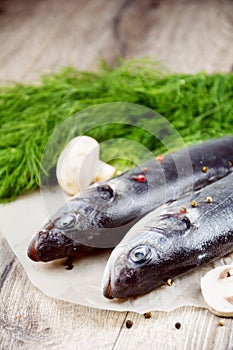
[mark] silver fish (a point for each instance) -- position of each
(101, 215)
(171, 241)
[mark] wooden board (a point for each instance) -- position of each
(42, 36)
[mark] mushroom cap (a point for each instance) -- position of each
(217, 290)
(77, 164)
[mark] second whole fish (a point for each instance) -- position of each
(172, 240)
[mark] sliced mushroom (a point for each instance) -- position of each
(217, 290)
(79, 165)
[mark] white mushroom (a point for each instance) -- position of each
(79, 165)
(217, 290)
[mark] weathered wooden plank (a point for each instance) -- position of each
(199, 330)
(31, 320)
(7, 259)
(41, 36)
(186, 36)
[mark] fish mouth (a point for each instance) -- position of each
(46, 246)
(108, 290)
(107, 287)
(31, 252)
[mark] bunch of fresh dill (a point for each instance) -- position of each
(199, 106)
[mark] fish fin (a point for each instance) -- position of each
(178, 226)
(158, 229)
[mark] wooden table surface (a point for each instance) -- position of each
(42, 36)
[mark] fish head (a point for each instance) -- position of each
(56, 238)
(131, 269)
(142, 260)
(79, 223)
(51, 244)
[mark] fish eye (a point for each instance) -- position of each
(105, 191)
(140, 254)
(66, 221)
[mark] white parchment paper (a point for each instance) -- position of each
(20, 219)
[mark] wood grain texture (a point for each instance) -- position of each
(31, 320)
(187, 36)
(199, 330)
(42, 36)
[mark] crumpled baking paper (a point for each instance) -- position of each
(20, 219)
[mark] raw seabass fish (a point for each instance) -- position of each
(171, 241)
(100, 216)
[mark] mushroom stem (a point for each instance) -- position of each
(104, 171)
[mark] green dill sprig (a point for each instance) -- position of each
(200, 106)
